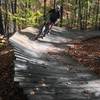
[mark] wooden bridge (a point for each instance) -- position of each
(47, 72)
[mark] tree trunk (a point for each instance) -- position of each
(86, 16)
(54, 4)
(1, 22)
(80, 15)
(6, 17)
(97, 15)
(61, 17)
(45, 9)
(14, 3)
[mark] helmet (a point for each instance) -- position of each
(57, 8)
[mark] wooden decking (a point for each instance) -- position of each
(47, 72)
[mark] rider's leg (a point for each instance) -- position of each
(50, 26)
(46, 29)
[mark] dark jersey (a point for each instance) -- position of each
(54, 15)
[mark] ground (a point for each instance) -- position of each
(88, 53)
(9, 90)
(46, 71)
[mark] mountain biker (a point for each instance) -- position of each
(52, 18)
(54, 14)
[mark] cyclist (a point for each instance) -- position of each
(52, 18)
(54, 14)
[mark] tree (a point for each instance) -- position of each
(1, 24)
(97, 14)
(61, 18)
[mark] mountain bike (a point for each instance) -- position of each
(45, 29)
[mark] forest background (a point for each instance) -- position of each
(77, 14)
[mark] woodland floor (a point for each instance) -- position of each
(88, 52)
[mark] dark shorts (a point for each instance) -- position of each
(53, 20)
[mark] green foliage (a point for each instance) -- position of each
(30, 1)
(76, 12)
(27, 17)
(1, 45)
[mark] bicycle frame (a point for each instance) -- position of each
(46, 27)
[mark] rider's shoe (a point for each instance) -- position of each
(41, 36)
